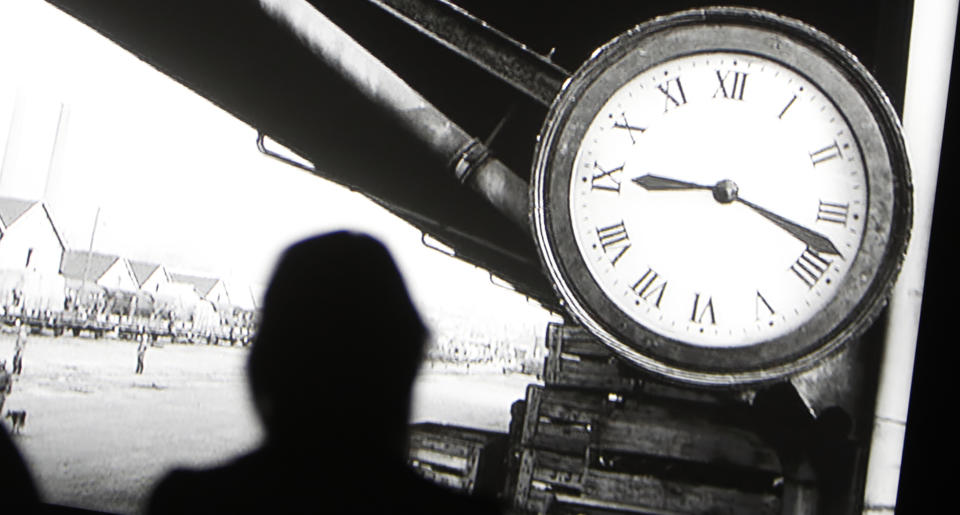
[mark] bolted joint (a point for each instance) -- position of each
(470, 157)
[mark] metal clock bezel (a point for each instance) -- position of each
(863, 290)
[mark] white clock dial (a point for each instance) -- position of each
(718, 199)
(722, 196)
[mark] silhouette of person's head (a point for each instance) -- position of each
(331, 370)
(338, 347)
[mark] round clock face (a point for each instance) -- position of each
(718, 199)
(722, 196)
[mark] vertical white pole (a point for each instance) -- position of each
(928, 77)
(93, 233)
(56, 152)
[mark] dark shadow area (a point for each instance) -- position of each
(330, 373)
(17, 490)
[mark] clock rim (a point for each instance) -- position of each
(855, 94)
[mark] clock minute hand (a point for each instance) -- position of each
(813, 239)
(726, 191)
(655, 182)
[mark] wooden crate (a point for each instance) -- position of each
(597, 452)
(615, 492)
(576, 359)
(467, 460)
(545, 474)
(681, 431)
(561, 420)
(550, 482)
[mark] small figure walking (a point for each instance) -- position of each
(141, 352)
(6, 384)
(18, 348)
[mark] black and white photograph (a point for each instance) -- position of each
(466, 256)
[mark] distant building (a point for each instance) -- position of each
(30, 253)
(149, 276)
(242, 295)
(208, 288)
(106, 270)
(29, 241)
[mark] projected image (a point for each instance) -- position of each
(139, 225)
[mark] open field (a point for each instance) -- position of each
(98, 436)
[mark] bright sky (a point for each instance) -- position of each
(178, 181)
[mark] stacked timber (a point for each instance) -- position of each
(597, 439)
(463, 459)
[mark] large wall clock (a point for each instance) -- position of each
(722, 196)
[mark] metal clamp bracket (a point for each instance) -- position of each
(292, 162)
(470, 157)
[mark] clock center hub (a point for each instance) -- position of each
(725, 191)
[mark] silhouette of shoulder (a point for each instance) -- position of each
(335, 439)
(251, 484)
(17, 490)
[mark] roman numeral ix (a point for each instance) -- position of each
(605, 180)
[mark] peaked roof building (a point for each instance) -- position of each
(29, 240)
(12, 208)
(209, 288)
(142, 270)
(145, 272)
(106, 270)
(203, 285)
(80, 264)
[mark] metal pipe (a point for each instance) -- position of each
(464, 155)
(533, 74)
(928, 75)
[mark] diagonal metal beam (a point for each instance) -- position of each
(466, 157)
(511, 61)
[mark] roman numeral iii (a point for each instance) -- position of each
(833, 212)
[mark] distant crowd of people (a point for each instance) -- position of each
(324, 452)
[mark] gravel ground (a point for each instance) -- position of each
(98, 435)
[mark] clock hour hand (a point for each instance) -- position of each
(655, 182)
(814, 240)
(726, 191)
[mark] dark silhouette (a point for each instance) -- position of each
(6, 384)
(330, 373)
(18, 494)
